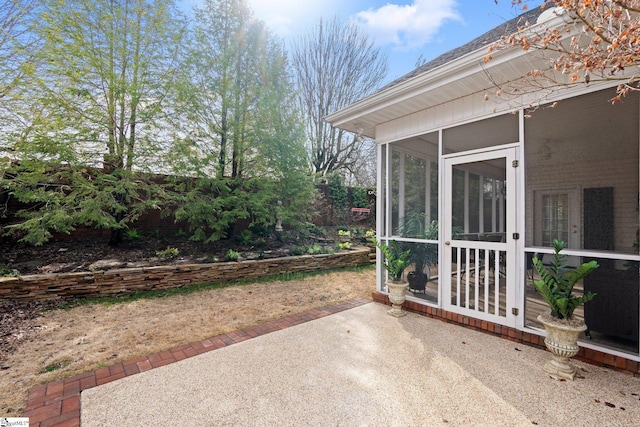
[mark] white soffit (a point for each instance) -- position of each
(458, 78)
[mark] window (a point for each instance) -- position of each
(555, 218)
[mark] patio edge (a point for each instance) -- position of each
(57, 404)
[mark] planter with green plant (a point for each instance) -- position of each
(556, 285)
(395, 261)
(423, 255)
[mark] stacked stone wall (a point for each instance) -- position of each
(133, 280)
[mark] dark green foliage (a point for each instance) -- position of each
(59, 198)
(395, 259)
(260, 230)
(416, 225)
(360, 198)
(168, 253)
(337, 192)
(181, 233)
(133, 235)
(6, 271)
(207, 205)
(299, 250)
(211, 207)
(232, 255)
(557, 282)
(314, 230)
(244, 238)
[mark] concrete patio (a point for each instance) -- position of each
(346, 365)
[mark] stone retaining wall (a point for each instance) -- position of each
(133, 280)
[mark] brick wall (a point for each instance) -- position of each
(132, 280)
(585, 158)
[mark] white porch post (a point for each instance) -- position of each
(381, 197)
(401, 187)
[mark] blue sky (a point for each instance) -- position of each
(404, 29)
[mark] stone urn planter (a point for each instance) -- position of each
(395, 261)
(562, 342)
(556, 288)
(397, 297)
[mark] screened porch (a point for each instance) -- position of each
(476, 202)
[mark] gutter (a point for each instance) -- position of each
(463, 66)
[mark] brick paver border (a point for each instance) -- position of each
(57, 404)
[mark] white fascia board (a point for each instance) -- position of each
(468, 64)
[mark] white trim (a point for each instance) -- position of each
(472, 63)
(558, 96)
(380, 202)
(427, 188)
(466, 201)
(520, 275)
(481, 151)
(441, 212)
(585, 253)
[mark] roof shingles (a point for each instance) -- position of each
(490, 36)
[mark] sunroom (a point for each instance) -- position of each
(477, 188)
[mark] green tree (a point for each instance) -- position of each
(96, 94)
(15, 41)
(239, 138)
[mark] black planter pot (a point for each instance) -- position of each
(417, 281)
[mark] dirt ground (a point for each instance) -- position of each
(75, 254)
(48, 345)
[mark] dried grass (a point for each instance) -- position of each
(87, 337)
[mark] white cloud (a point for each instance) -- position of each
(408, 26)
(277, 14)
(286, 18)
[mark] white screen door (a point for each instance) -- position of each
(479, 226)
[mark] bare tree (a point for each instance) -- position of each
(335, 65)
(598, 41)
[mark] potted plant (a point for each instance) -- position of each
(395, 261)
(423, 256)
(556, 288)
